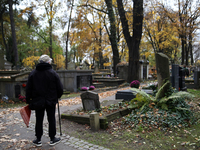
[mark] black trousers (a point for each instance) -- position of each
(39, 114)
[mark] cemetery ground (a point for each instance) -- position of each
(117, 135)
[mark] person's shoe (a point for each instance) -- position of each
(54, 141)
(36, 142)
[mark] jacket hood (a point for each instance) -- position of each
(43, 66)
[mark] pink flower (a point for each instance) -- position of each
(91, 87)
(134, 83)
(84, 88)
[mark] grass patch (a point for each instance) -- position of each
(71, 95)
(186, 138)
(196, 92)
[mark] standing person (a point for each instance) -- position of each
(42, 92)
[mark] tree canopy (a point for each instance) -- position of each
(102, 31)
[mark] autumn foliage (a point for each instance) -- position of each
(30, 61)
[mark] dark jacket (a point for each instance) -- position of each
(44, 82)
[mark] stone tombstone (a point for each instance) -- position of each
(1, 60)
(71, 66)
(182, 73)
(175, 76)
(163, 75)
(162, 64)
(126, 95)
(196, 78)
(90, 101)
(84, 80)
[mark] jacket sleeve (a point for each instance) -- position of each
(29, 90)
(59, 86)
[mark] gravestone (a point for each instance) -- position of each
(196, 78)
(163, 76)
(1, 60)
(178, 78)
(162, 64)
(182, 73)
(71, 66)
(175, 76)
(90, 101)
(128, 95)
(84, 80)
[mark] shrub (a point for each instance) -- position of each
(135, 84)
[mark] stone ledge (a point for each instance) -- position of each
(104, 120)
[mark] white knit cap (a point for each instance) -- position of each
(45, 58)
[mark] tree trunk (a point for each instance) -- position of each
(183, 43)
(134, 55)
(113, 32)
(13, 33)
(190, 46)
(100, 49)
(50, 36)
(134, 41)
(3, 37)
(70, 16)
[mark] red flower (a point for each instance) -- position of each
(23, 85)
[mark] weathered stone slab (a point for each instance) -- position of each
(162, 64)
(126, 95)
(90, 101)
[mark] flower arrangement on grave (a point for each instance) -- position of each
(22, 98)
(84, 88)
(91, 87)
(135, 84)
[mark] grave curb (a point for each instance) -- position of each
(103, 120)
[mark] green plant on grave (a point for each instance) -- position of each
(141, 100)
(168, 111)
(170, 100)
(176, 101)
